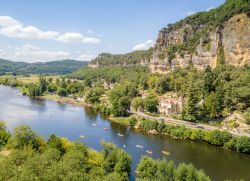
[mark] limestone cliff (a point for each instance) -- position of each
(233, 36)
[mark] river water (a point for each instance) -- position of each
(48, 117)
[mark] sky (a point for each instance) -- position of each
(46, 30)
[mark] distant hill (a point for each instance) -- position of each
(52, 67)
(133, 58)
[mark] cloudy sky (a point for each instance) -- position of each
(45, 30)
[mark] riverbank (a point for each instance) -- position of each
(173, 129)
(47, 117)
(215, 137)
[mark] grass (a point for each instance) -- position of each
(52, 97)
(29, 80)
(121, 120)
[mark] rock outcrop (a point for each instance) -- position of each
(233, 36)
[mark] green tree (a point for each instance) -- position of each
(190, 111)
(137, 102)
(121, 106)
(162, 85)
(208, 81)
(4, 134)
(62, 92)
(220, 57)
(151, 103)
(56, 143)
(24, 136)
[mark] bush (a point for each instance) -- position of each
(132, 121)
(149, 169)
(4, 134)
(24, 136)
(147, 125)
(218, 138)
(240, 144)
(62, 92)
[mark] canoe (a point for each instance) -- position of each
(119, 134)
(81, 136)
(149, 152)
(139, 146)
(165, 152)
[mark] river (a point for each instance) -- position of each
(48, 117)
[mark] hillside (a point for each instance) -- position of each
(213, 37)
(133, 58)
(53, 67)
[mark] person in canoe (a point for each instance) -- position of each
(81, 136)
(149, 152)
(165, 152)
(139, 146)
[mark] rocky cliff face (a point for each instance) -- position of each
(233, 37)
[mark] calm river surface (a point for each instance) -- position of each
(47, 117)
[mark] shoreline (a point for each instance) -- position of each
(125, 121)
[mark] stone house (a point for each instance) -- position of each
(108, 86)
(170, 104)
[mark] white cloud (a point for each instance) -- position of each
(31, 53)
(189, 13)
(144, 46)
(86, 57)
(77, 38)
(12, 28)
(208, 9)
(8, 21)
(34, 54)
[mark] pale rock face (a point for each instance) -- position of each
(236, 40)
(233, 35)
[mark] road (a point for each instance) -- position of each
(187, 124)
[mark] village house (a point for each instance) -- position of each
(144, 95)
(170, 104)
(108, 86)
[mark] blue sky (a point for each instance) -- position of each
(44, 30)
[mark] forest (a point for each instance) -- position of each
(51, 67)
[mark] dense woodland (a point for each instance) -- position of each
(53, 67)
(209, 94)
(30, 157)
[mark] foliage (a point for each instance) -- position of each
(4, 135)
(24, 136)
(137, 103)
(190, 111)
(149, 169)
(120, 107)
(216, 137)
(151, 103)
(55, 162)
(133, 58)
(52, 67)
(62, 92)
(93, 94)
